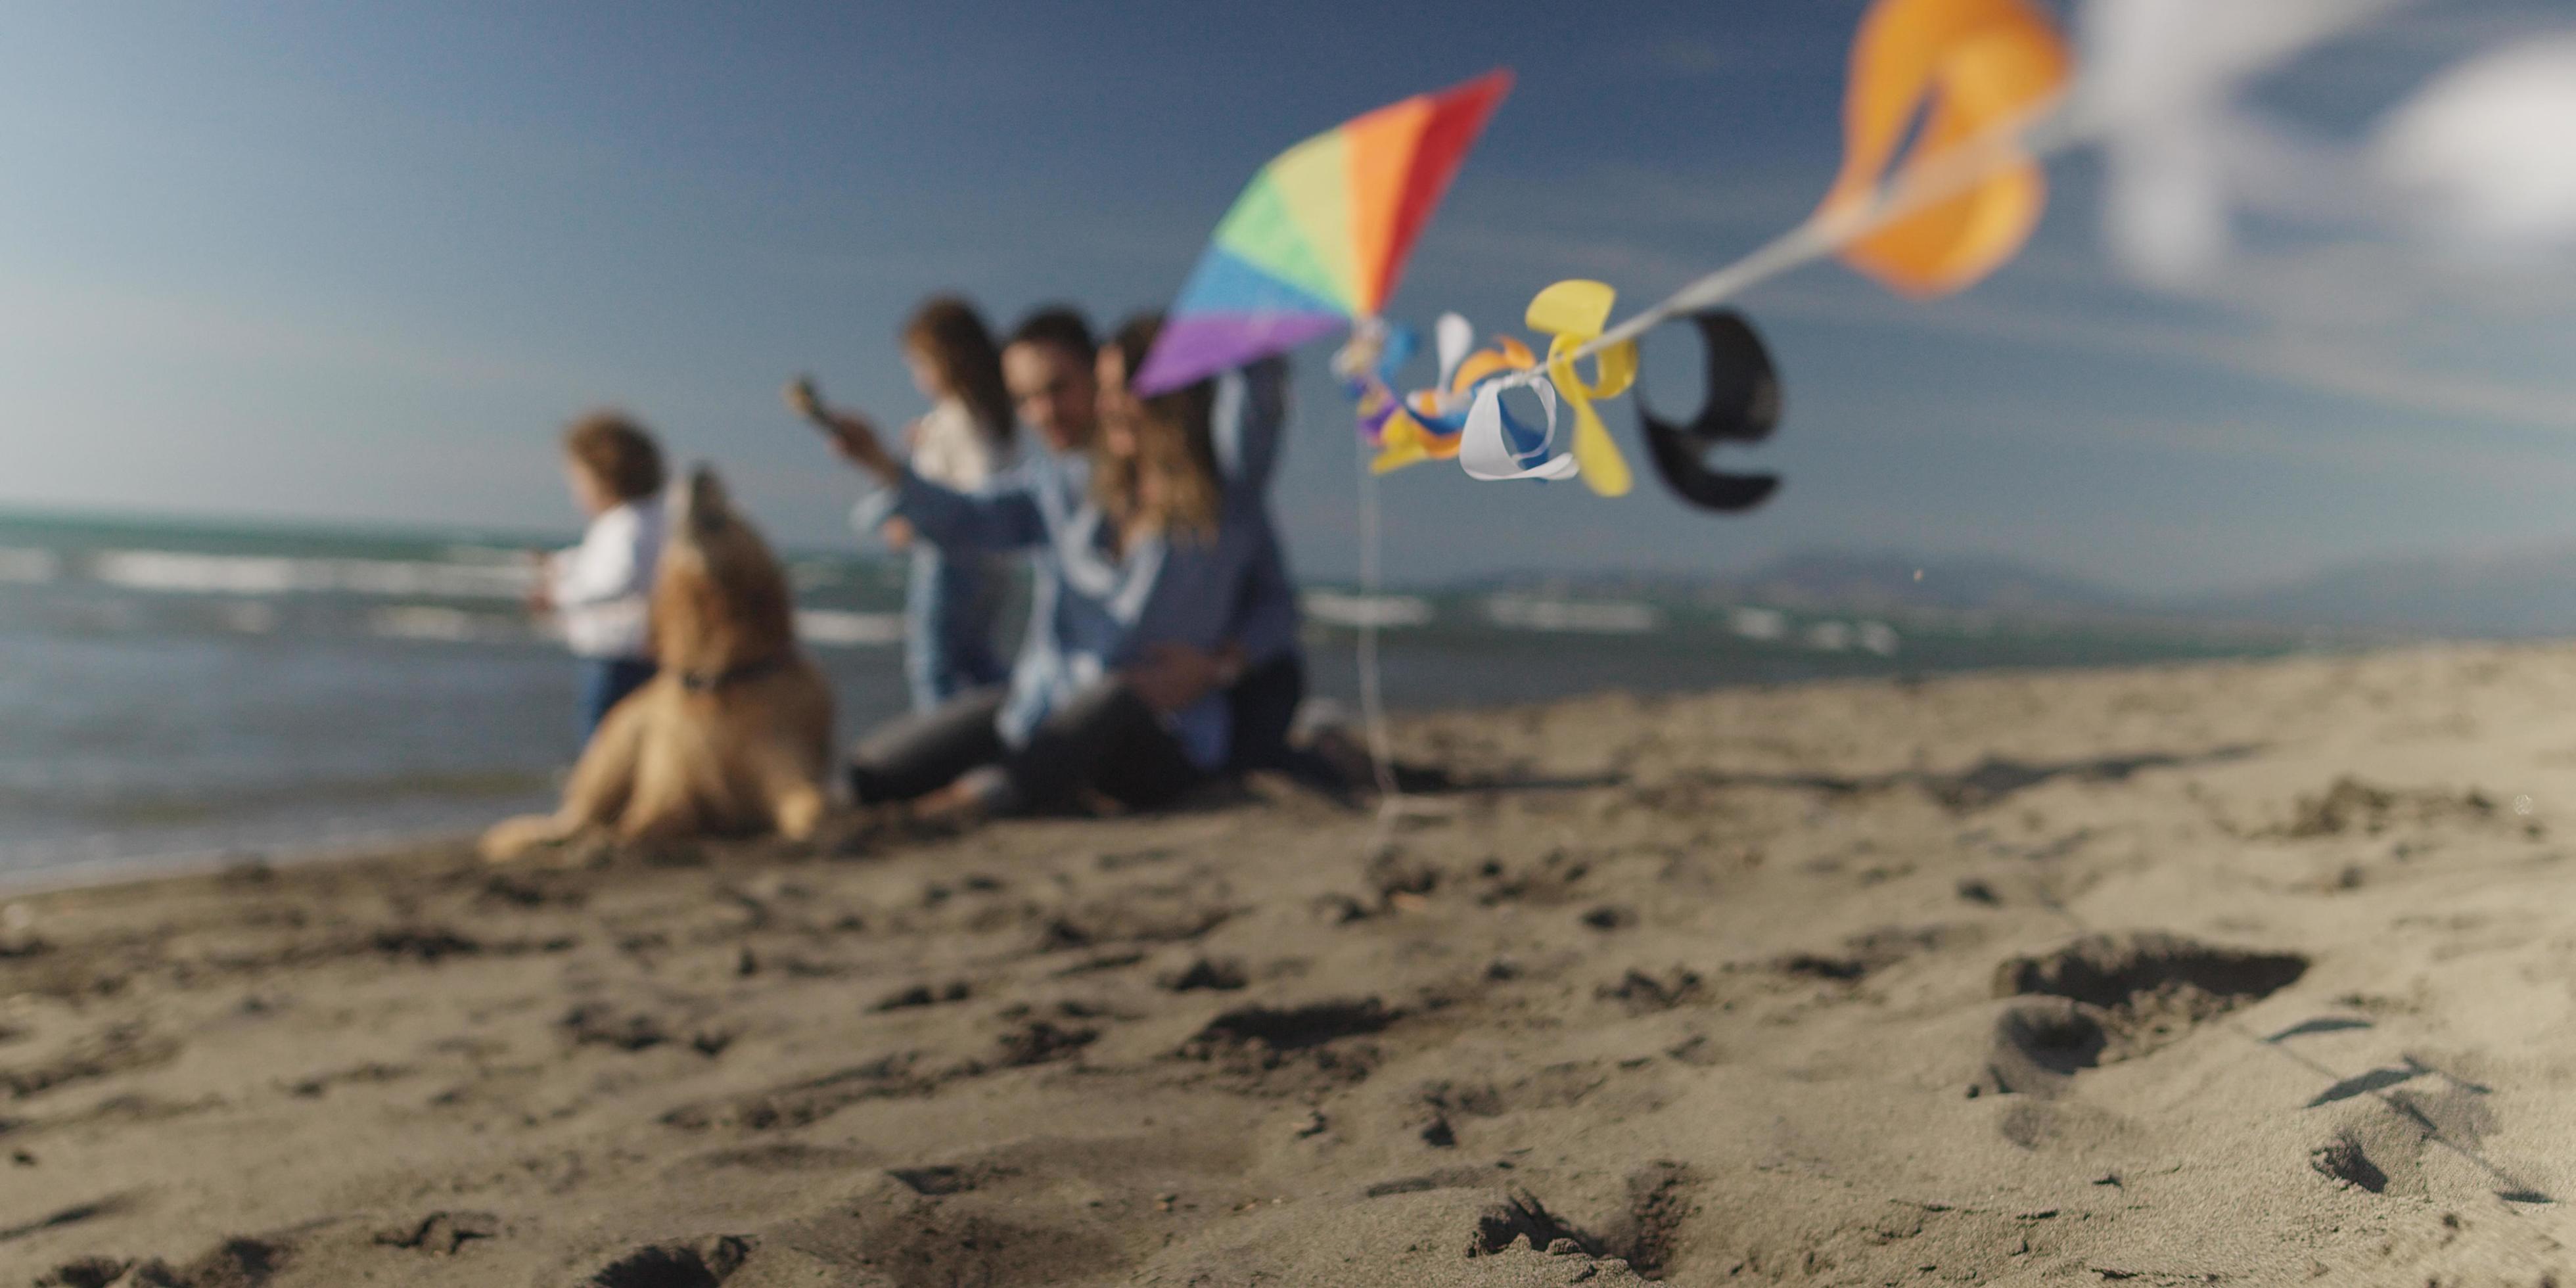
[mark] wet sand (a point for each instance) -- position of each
(2239, 974)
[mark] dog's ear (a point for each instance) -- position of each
(704, 506)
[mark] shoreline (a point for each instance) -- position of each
(1822, 983)
(90, 873)
(93, 874)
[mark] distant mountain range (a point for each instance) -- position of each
(2518, 595)
(2523, 594)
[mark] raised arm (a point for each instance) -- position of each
(1005, 517)
(1250, 414)
(850, 434)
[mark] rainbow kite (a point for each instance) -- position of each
(1320, 237)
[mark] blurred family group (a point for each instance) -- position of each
(1161, 650)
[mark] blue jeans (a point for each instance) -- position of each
(948, 608)
(605, 680)
(1265, 703)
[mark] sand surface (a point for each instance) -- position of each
(2245, 974)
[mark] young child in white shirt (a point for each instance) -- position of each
(951, 597)
(600, 590)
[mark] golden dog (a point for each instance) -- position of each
(733, 732)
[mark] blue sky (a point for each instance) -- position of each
(346, 263)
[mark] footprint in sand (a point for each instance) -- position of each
(2104, 998)
(703, 1265)
(2039, 1045)
(1281, 1051)
(237, 1263)
(87, 1272)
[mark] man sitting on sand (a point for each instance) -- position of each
(1051, 367)
(1121, 688)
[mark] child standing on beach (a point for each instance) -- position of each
(599, 590)
(950, 596)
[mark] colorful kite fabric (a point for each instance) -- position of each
(1969, 68)
(1321, 235)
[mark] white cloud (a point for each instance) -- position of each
(2484, 149)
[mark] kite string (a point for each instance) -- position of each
(2052, 126)
(2070, 118)
(1372, 688)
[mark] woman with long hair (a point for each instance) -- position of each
(1121, 688)
(1267, 665)
(964, 442)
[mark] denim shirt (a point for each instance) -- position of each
(1094, 608)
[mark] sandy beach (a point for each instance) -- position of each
(2235, 974)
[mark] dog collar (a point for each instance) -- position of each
(708, 682)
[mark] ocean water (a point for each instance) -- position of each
(174, 693)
